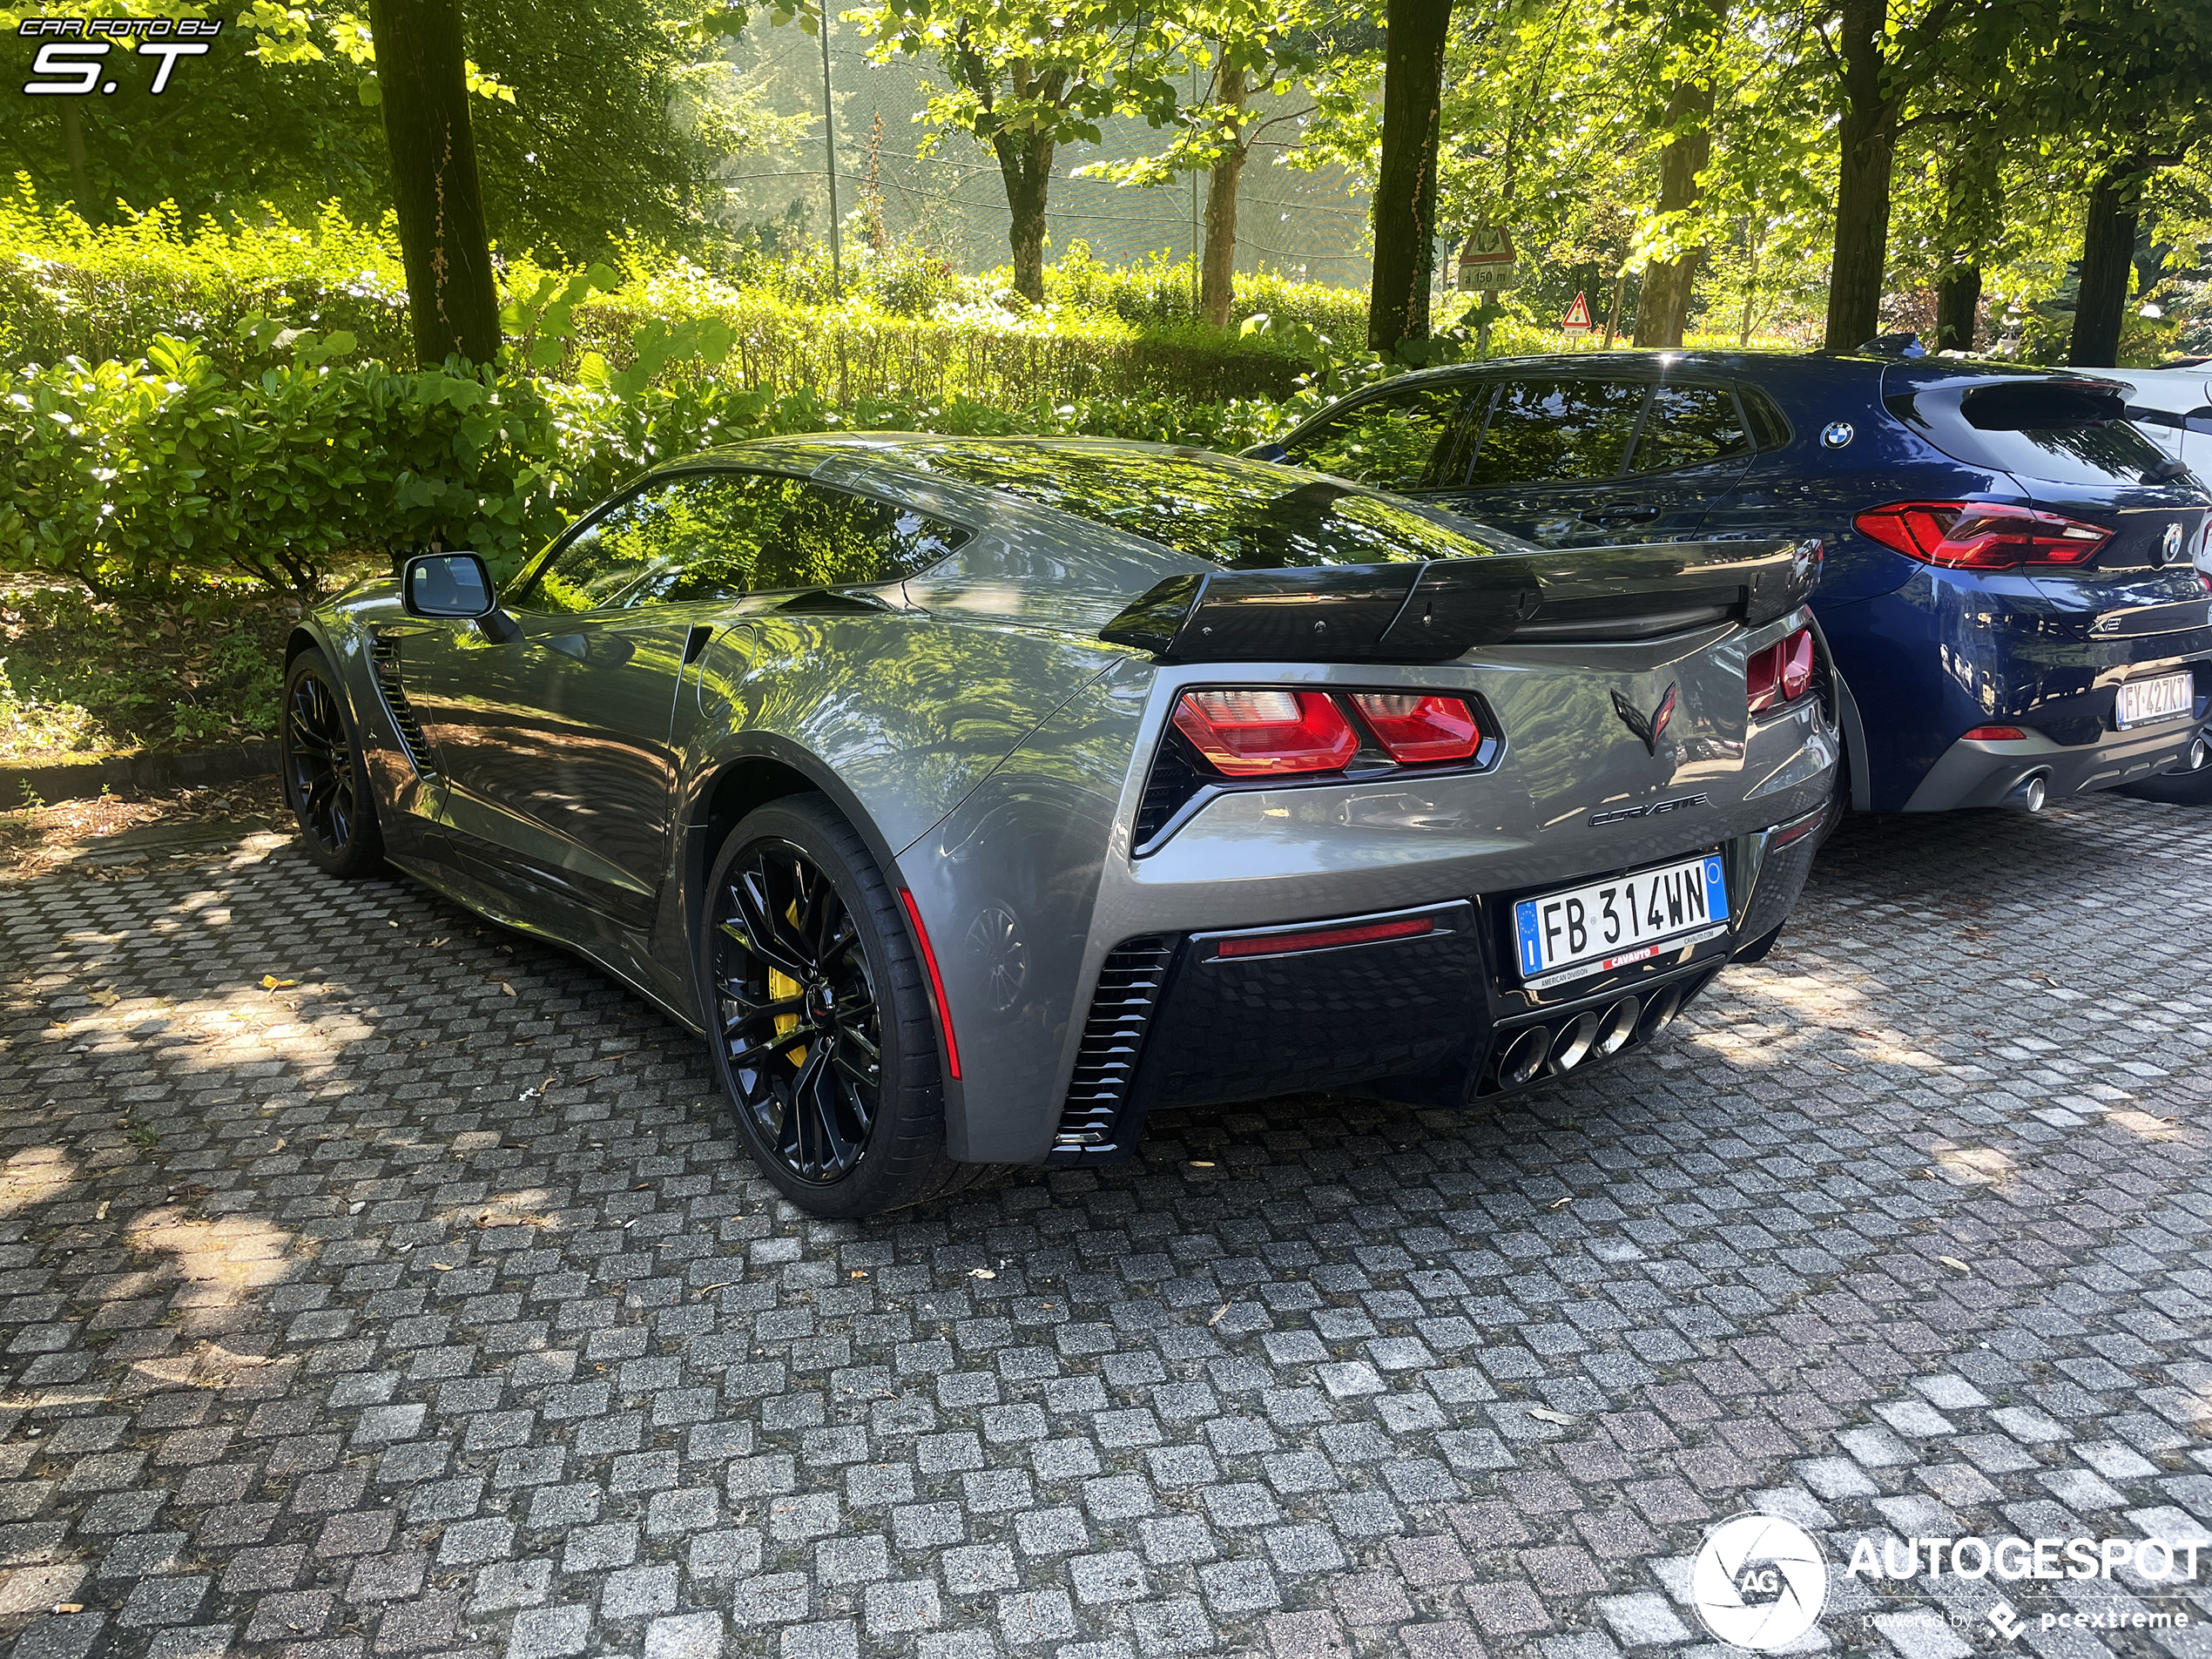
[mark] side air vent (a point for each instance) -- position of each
(1129, 985)
(386, 656)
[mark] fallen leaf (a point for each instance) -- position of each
(442, 1267)
(1201, 1163)
(981, 1273)
(720, 1284)
(271, 982)
(1952, 1261)
(505, 990)
(1561, 1204)
(1217, 1312)
(859, 1274)
(1545, 1414)
(106, 999)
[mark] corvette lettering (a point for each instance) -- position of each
(1621, 813)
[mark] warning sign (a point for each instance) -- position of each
(1486, 260)
(1577, 320)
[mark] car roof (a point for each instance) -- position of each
(1750, 365)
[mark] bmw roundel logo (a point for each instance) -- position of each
(1837, 434)
(2170, 545)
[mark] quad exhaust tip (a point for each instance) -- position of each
(2029, 794)
(2199, 755)
(1525, 1056)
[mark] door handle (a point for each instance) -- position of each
(1624, 515)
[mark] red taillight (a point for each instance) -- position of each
(1994, 734)
(1366, 932)
(1254, 733)
(1980, 535)
(1780, 673)
(1416, 729)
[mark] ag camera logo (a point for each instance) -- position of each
(1759, 1583)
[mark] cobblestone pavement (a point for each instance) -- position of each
(426, 1305)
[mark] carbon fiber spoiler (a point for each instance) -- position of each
(1435, 610)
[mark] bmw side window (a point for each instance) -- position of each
(1557, 431)
(1690, 426)
(641, 547)
(1417, 438)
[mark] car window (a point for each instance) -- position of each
(1553, 431)
(1239, 515)
(1690, 426)
(1414, 438)
(708, 535)
(2046, 431)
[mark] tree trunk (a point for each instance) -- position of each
(1405, 200)
(1663, 303)
(2108, 264)
(80, 176)
(452, 301)
(1217, 277)
(1972, 212)
(1957, 305)
(1867, 153)
(1025, 163)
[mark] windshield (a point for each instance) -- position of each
(1239, 515)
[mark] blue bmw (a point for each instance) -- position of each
(2015, 593)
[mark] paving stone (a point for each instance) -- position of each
(470, 1306)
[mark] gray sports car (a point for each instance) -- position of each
(976, 796)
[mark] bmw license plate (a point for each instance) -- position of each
(1630, 918)
(2164, 698)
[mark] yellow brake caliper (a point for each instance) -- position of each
(784, 988)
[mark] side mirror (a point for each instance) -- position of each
(1274, 452)
(448, 584)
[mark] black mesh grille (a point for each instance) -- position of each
(1128, 987)
(1175, 778)
(386, 656)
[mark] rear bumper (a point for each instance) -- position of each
(1438, 1019)
(1976, 772)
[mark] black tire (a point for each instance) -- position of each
(326, 777)
(2191, 788)
(818, 1016)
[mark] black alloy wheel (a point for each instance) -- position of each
(819, 1017)
(326, 781)
(801, 1031)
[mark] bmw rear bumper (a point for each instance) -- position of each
(1984, 772)
(1437, 1019)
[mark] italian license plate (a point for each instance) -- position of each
(1605, 925)
(2165, 698)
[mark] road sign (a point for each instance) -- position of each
(1486, 260)
(1577, 320)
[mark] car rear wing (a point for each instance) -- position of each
(1435, 610)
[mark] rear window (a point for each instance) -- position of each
(1239, 515)
(2053, 431)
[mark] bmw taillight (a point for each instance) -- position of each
(1419, 729)
(1780, 673)
(1981, 536)
(1258, 734)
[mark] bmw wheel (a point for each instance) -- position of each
(818, 1016)
(326, 780)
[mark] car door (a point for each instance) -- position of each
(1550, 454)
(554, 739)
(1414, 437)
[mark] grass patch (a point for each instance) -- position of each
(81, 676)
